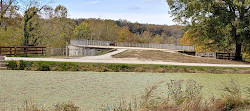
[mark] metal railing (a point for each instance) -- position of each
(126, 44)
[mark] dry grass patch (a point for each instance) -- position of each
(157, 55)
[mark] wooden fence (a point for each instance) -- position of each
(227, 56)
(55, 51)
(22, 50)
(206, 54)
(126, 44)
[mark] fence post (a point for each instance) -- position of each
(66, 49)
(42, 50)
(15, 51)
(10, 51)
(25, 50)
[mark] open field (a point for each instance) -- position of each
(157, 55)
(94, 90)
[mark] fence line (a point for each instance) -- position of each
(217, 55)
(126, 44)
(22, 50)
(55, 51)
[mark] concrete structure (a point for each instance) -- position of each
(3, 65)
(138, 45)
(85, 50)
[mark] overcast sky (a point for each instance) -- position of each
(142, 11)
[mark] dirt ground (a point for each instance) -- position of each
(157, 55)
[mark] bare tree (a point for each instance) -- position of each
(5, 6)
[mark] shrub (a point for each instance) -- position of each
(29, 106)
(44, 67)
(179, 91)
(22, 65)
(233, 98)
(12, 65)
(123, 106)
(69, 106)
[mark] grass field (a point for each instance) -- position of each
(94, 90)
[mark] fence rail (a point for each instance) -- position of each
(227, 56)
(22, 50)
(51, 51)
(126, 44)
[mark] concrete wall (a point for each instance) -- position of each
(2, 58)
(85, 51)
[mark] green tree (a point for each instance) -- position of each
(82, 31)
(216, 22)
(124, 35)
(30, 25)
(146, 37)
(11, 36)
(61, 11)
(157, 39)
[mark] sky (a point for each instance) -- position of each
(142, 11)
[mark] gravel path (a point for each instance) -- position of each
(107, 58)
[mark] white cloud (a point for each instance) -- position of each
(134, 8)
(91, 2)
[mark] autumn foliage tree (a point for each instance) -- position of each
(124, 35)
(221, 22)
(189, 39)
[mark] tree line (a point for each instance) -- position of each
(210, 25)
(37, 24)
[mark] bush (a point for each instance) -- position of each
(66, 107)
(12, 65)
(179, 91)
(22, 65)
(29, 106)
(44, 67)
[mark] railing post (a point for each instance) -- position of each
(26, 52)
(42, 50)
(15, 51)
(10, 51)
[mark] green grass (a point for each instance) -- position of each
(109, 67)
(94, 90)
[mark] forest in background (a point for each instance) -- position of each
(36, 24)
(43, 25)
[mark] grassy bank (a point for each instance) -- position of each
(106, 67)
